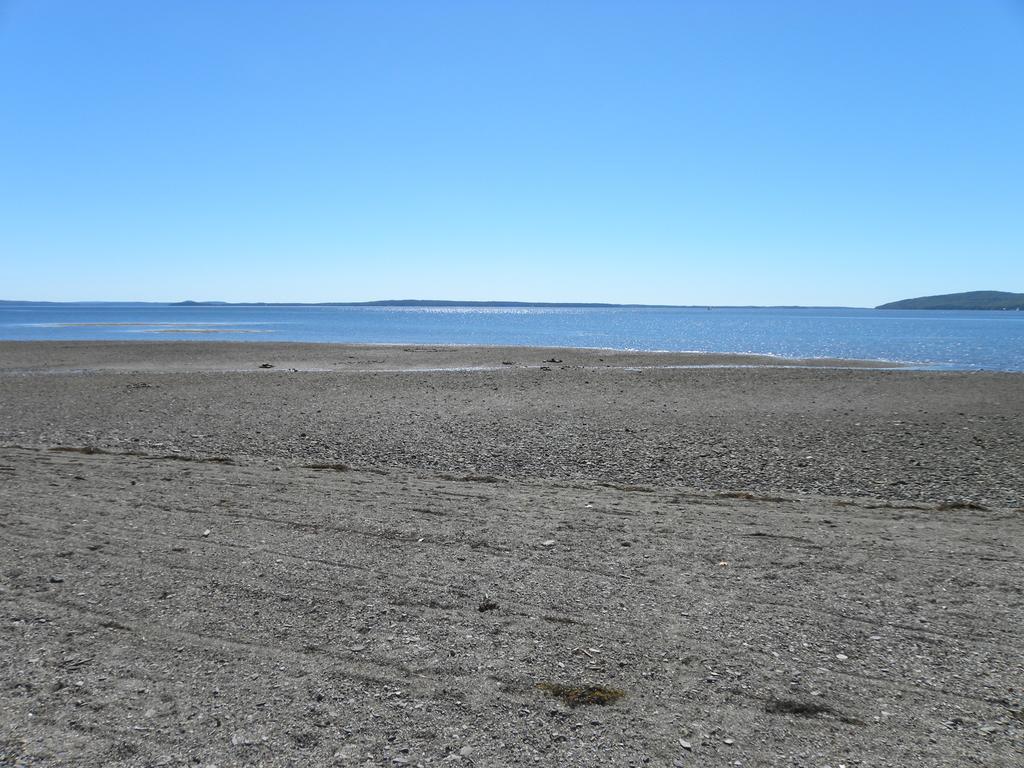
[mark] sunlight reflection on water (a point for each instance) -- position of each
(965, 340)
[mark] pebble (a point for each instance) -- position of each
(548, 543)
(685, 744)
(842, 656)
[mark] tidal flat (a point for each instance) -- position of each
(284, 554)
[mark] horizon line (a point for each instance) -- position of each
(433, 303)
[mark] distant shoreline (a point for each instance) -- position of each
(977, 300)
(398, 303)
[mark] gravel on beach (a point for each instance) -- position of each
(512, 412)
(280, 555)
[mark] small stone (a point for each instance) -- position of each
(206, 533)
(56, 579)
(842, 656)
(548, 543)
(685, 744)
(466, 751)
(728, 742)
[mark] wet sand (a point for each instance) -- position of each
(397, 555)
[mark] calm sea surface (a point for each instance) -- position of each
(958, 340)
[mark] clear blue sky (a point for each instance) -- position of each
(703, 151)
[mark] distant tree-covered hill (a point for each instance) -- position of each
(968, 300)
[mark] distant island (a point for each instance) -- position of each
(968, 300)
(499, 304)
(399, 303)
(409, 303)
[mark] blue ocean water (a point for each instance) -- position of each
(941, 339)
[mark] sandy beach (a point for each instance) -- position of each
(291, 554)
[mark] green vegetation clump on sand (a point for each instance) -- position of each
(582, 695)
